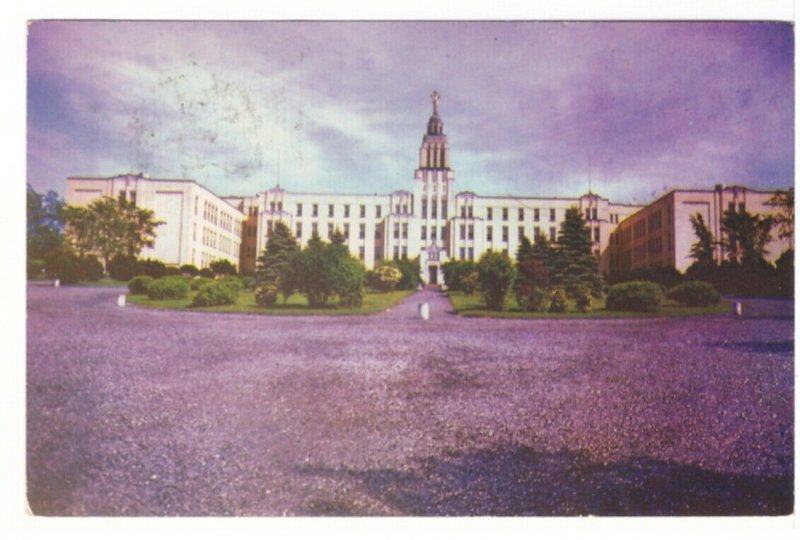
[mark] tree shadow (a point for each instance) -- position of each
(520, 481)
(784, 347)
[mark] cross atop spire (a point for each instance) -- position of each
(435, 98)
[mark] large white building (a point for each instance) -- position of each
(432, 221)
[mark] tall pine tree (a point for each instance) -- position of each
(274, 260)
(576, 266)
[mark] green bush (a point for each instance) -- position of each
(694, 294)
(583, 300)
(139, 284)
(266, 294)
(386, 277)
(496, 274)
(123, 268)
(348, 281)
(558, 301)
(35, 268)
(91, 268)
(217, 293)
(206, 273)
(533, 298)
(644, 296)
(222, 267)
(189, 270)
(152, 267)
(168, 288)
(199, 281)
(63, 264)
(409, 270)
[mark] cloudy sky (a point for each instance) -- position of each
(530, 108)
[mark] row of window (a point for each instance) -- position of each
(433, 205)
(504, 213)
(362, 210)
(124, 196)
(424, 232)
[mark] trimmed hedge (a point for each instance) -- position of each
(168, 288)
(644, 296)
(217, 293)
(140, 284)
(266, 294)
(694, 294)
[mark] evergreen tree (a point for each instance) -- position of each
(274, 260)
(576, 267)
(784, 199)
(702, 251)
(524, 250)
(746, 236)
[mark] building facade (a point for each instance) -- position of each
(198, 227)
(432, 221)
(661, 234)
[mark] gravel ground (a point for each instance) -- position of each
(139, 412)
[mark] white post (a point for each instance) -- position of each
(424, 311)
(57, 283)
(121, 300)
(737, 309)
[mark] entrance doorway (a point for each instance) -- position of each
(433, 275)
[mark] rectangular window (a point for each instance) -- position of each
(594, 214)
(462, 232)
(347, 210)
(272, 206)
(405, 209)
(396, 232)
(535, 214)
(469, 211)
(363, 211)
(741, 208)
(133, 197)
(731, 207)
(444, 209)
(488, 234)
(122, 195)
(378, 232)
(423, 232)
(330, 210)
(424, 208)
(280, 206)
(471, 253)
(505, 214)
(362, 231)
(597, 234)
(433, 233)
(397, 209)
(536, 232)
(521, 214)
(442, 233)
(433, 209)
(405, 230)
(378, 211)
(404, 252)
(298, 230)
(361, 253)
(314, 210)
(462, 253)
(552, 215)
(396, 252)
(552, 234)
(346, 231)
(330, 230)
(505, 234)
(489, 214)
(463, 211)
(299, 209)
(520, 233)
(588, 214)
(314, 230)
(269, 227)
(471, 232)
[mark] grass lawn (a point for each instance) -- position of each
(105, 282)
(473, 306)
(296, 304)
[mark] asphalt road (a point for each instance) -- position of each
(140, 412)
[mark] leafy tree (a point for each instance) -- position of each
(457, 272)
(576, 266)
(784, 273)
(409, 268)
(44, 231)
(387, 277)
(108, 227)
(495, 274)
(746, 236)
(311, 271)
(702, 251)
(274, 261)
(784, 199)
(347, 277)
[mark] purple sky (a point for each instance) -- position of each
(529, 108)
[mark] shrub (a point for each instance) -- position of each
(91, 268)
(248, 282)
(784, 272)
(63, 264)
(235, 281)
(168, 288)
(216, 293)
(533, 298)
(173, 271)
(558, 301)
(123, 267)
(409, 270)
(199, 281)
(695, 294)
(495, 273)
(139, 284)
(189, 270)
(469, 281)
(222, 267)
(455, 272)
(348, 281)
(35, 268)
(206, 273)
(583, 300)
(266, 294)
(386, 277)
(634, 296)
(153, 268)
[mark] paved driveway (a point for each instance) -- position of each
(141, 412)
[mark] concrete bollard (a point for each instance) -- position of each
(57, 283)
(424, 311)
(737, 309)
(121, 300)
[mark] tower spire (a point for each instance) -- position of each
(435, 98)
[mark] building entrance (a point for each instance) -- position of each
(433, 275)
